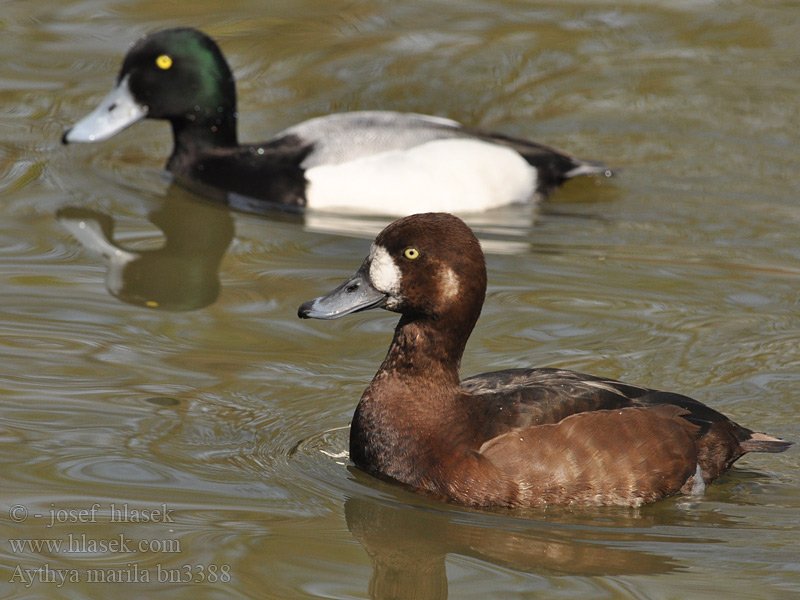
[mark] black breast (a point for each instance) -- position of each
(270, 172)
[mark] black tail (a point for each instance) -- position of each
(554, 167)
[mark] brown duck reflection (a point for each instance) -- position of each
(408, 545)
(183, 274)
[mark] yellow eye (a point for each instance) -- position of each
(164, 62)
(411, 253)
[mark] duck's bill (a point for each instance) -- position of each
(116, 111)
(355, 294)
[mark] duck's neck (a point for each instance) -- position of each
(425, 352)
(410, 403)
(203, 130)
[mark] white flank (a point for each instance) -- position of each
(452, 175)
(383, 272)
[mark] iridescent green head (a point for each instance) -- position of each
(174, 71)
(175, 74)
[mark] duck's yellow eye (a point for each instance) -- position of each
(411, 253)
(164, 62)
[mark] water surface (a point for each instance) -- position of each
(173, 376)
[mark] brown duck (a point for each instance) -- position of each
(519, 437)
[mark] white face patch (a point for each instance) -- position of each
(383, 272)
(450, 284)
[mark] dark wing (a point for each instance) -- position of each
(519, 398)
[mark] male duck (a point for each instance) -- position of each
(372, 162)
(519, 437)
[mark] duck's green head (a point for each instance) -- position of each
(174, 74)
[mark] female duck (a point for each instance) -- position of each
(372, 162)
(520, 437)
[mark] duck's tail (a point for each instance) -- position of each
(761, 442)
(588, 167)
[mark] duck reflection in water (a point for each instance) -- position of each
(182, 274)
(408, 545)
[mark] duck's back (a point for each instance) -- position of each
(567, 437)
(383, 161)
(342, 137)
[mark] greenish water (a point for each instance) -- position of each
(175, 399)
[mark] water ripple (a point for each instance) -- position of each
(680, 273)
